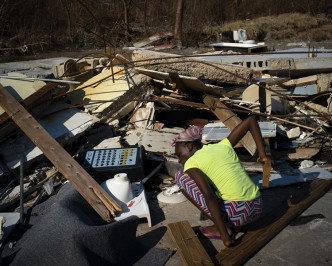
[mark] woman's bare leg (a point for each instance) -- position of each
(211, 228)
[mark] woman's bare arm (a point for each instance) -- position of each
(211, 201)
(249, 124)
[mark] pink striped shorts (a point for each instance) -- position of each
(235, 213)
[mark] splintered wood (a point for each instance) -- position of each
(188, 244)
(230, 120)
(93, 193)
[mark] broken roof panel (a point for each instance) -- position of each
(159, 141)
(20, 89)
(295, 176)
(218, 131)
(62, 125)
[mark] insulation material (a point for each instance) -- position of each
(144, 117)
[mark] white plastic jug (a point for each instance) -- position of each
(119, 188)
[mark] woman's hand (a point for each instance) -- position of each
(265, 159)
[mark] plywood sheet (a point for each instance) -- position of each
(100, 88)
(20, 89)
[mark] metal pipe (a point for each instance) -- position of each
(42, 79)
(21, 190)
(153, 172)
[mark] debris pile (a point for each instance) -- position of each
(134, 107)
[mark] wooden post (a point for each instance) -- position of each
(267, 165)
(66, 165)
(230, 120)
(174, 76)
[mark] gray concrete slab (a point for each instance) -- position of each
(33, 68)
(306, 241)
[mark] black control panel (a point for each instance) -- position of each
(105, 163)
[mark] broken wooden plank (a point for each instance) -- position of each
(273, 81)
(152, 39)
(267, 165)
(191, 250)
(174, 77)
(66, 165)
(230, 120)
(168, 99)
(270, 225)
(301, 81)
(255, 167)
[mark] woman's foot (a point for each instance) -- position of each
(212, 232)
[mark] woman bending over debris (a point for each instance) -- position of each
(215, 181)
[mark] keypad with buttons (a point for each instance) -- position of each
(110, 157)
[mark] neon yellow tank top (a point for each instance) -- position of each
(224, 170)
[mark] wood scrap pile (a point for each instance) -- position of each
(148, 100)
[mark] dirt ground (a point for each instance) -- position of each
(99, 52)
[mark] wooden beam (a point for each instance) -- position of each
(271, 224)
(174, 77)
(67, 166)
(267, 165)
(180, 102)
(191, 250)
(230, 120)
(301, 81)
